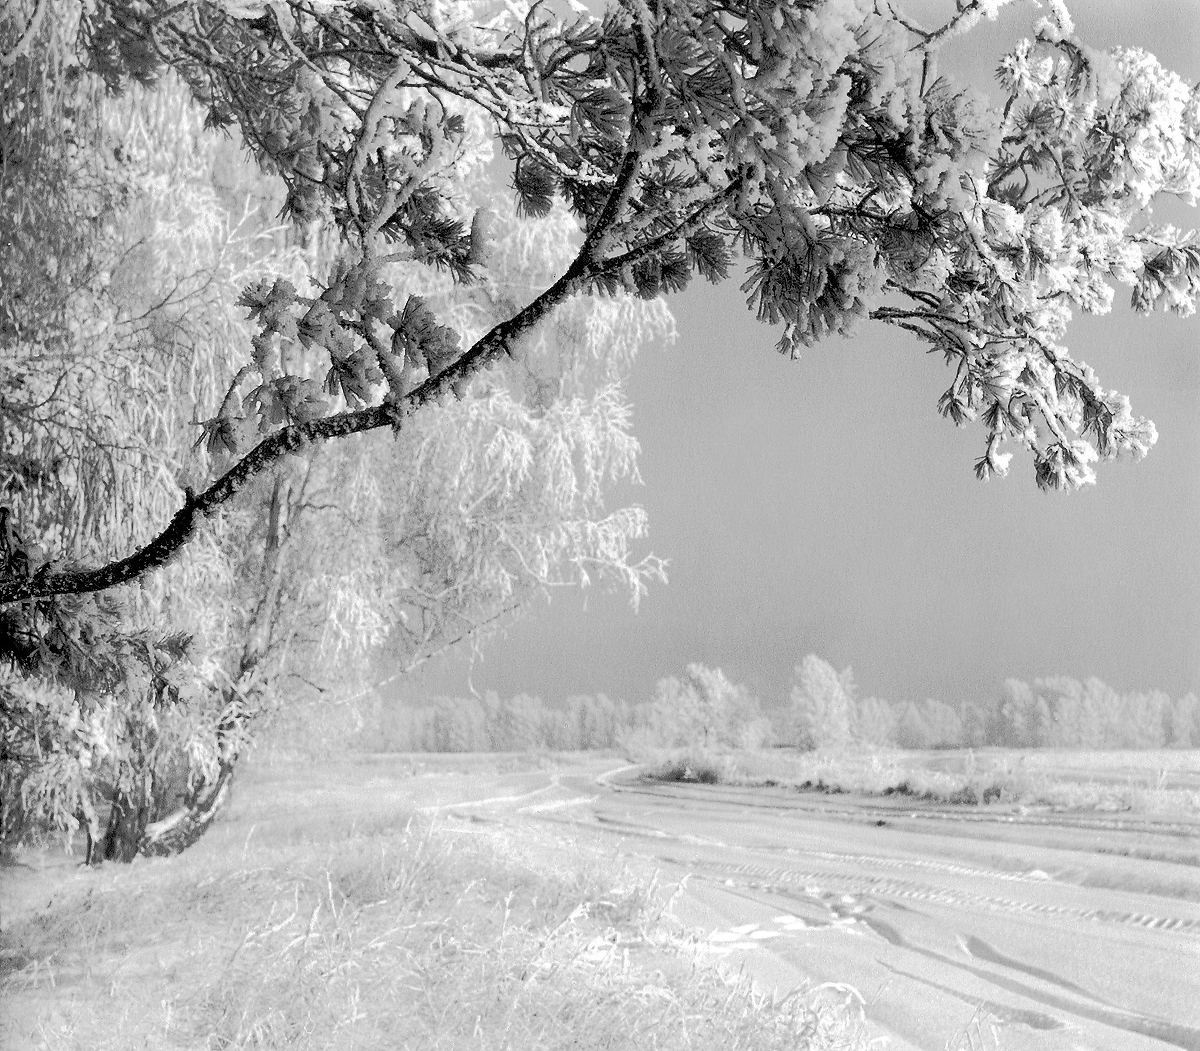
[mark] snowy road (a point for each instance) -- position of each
(1053, 931)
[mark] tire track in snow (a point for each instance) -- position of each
(888, 887)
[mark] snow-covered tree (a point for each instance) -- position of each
(876, 722)
(700, 708)
(822, 705)
(426, 537)
(1182, 722)
(119, 272)
(943, 724)
(817, 138)
(912, 730)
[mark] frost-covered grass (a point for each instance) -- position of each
(322, 914)
(1068, 781)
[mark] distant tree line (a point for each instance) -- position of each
(702, 707)
(1055, 712)
(699, 707)
(493, 724)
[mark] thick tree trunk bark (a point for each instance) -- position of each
(180, 830)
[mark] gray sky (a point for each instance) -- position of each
(824, 506)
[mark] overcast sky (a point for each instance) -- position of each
(823, 506)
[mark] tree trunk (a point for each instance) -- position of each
(91, 828)
(127, 822)
(185, 826)
(180, 830)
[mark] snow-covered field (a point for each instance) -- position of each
(565, 901)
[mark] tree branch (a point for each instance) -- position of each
(646, 108)
(164, 547)
(26, 38)
(685, 227)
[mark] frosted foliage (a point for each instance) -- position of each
(488, 503)
(151, 297)
(702, 708)
(649, 144)
(431, 531)
(477, 505)
(633, 150)
(822, 704)
(587, 341)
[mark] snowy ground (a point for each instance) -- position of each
(1002, 926)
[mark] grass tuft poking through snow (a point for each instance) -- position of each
(285, 928)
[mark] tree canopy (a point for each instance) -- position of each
(128, 236)
(817, 139)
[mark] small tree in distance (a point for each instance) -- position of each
(822, 711)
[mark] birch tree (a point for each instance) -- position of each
(822, 705)
(329, 551)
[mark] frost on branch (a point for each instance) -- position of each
(816, 139)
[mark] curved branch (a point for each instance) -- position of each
(26, 38)
(182, 527)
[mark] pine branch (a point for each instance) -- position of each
(291, 439)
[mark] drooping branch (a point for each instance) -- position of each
(198, 506)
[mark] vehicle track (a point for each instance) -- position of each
(872, 809)
(765, 876)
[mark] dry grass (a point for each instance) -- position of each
(1064, 781)
(698, 767)
(327, 915)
